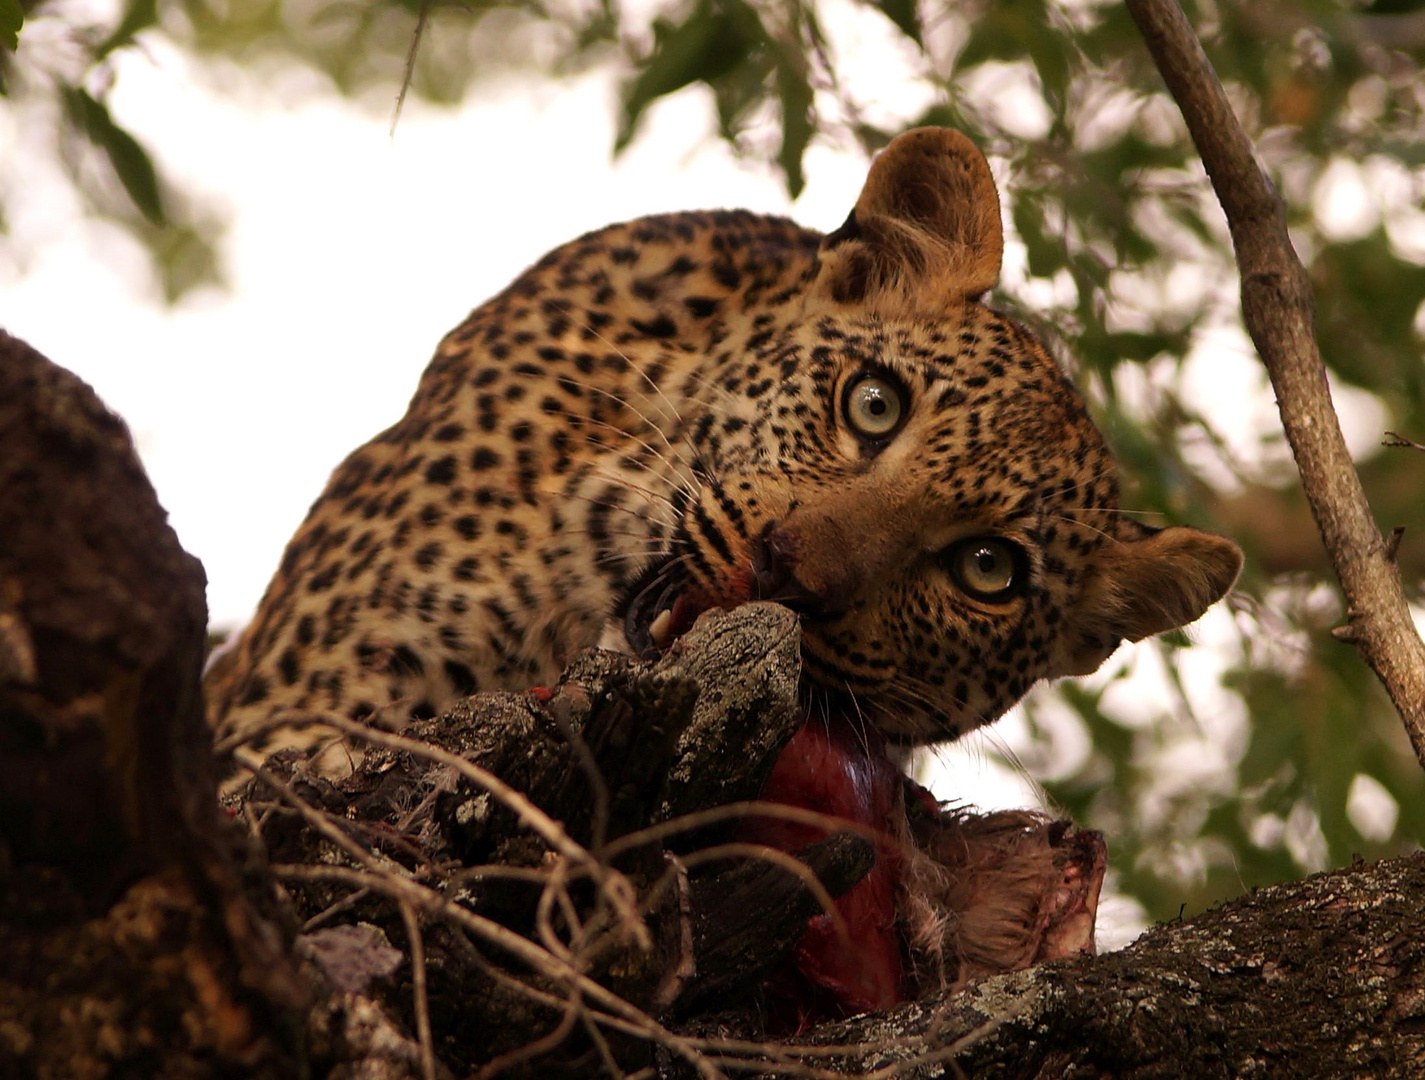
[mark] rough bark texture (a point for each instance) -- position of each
(1323, 978)
(1279, 311)
(101, 638)
(124, 927)
(133, 940)
(667, 744)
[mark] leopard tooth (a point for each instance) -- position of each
(660, 629)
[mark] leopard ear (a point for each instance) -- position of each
(925, 230)
(1147, 582)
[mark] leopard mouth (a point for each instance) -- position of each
(660, 608)
(664, 601)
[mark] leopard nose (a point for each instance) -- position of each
(775, 556)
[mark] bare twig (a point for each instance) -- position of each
(606, 1054)
(698, 819)
(409, 74)
(434, 905)
(319, 821)
(346, 903)
(537, 1047)
(1398, 441)
(790, 863)
(614, 886)
(1392, 542)
(1278, 310)
(551, 831)
(414, 939)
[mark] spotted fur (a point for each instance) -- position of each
(662, 405)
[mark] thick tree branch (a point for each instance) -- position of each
(1278, 309)
(1265, 985)
(138, 933)
(121, 893)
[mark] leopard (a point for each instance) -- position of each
(698, 410)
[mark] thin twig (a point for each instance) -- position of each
(418, 987)
(537, 1047)
(551, 831)
(314, 817)
(1398, 441)
(613, 885)
(347, 902)
(790, 863)
(606, 1054)
(432, 903)
(409, 73)
(698, 819)
(1278, 310)
(598, 786)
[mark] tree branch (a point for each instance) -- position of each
(1278, 308)
(1267, 984)
(121, 889)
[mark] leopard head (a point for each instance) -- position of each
(912, 473)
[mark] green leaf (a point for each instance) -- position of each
(12, 17)
(1046, 256)
(739, 93)
(710, 44)
(795, 94)
(1047, 51)
(1394, 7)
(905, 14)
(990, 39)
(139, 15)
(130, 160)
(945, 114)
(1012, 31)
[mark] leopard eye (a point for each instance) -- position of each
(874, 406)
(988, 568)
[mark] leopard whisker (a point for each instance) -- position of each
(679, 481)
(615, 478)
(619, 399)
(686, 376)
(861, 726)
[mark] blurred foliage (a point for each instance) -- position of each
(12, 17)
(1126, 269)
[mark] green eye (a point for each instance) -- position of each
(987, 568)
(874, 406)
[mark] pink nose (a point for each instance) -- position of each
(775, 556)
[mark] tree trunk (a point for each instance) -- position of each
(136, 939)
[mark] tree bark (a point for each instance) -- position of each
(135, 937)
(123, 919)
(1322, 978)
